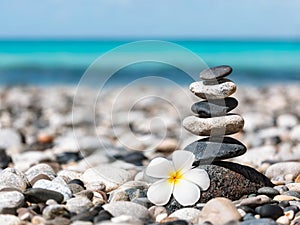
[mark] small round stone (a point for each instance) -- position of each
(270, 211)
(188, 214)
(40, 195)
(215, 126)
(221, 90)
(79, 205)
(269, 191)
(215, 72)
(216, 107)
(219, 211)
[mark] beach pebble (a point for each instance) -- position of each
(290, 214)
(10, 220)
(217, 107)
(57, 184)
(216, 126)
(188, 214)
(10, 201)
(257, 200)
(292, 193)
(294, 187)
(39, 169)
(11, 178)
(40, 195)
(110, 176)
(219, 211)
(285, 198)
(127, 208)
(222, 89)
(269, 211)
(283, 220)
(269, 191)
(78, 205)
(215, 149)
(215, 73)
(53, 211)
(278, 169)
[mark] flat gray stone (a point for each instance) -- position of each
(215, 72)
(215, 126)
(211, 149)
(224, 88)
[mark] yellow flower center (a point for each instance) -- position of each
(174, 177)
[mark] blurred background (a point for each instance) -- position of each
(53, 41)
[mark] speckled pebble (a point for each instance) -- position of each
(189, 214)
(78, 205)
(10, 201)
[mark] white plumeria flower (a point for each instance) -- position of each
(177, 177)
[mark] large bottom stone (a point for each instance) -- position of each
(229, 180)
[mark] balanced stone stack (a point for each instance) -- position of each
(213, 119)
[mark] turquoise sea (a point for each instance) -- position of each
(45, 62)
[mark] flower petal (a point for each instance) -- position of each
(160, 192)
(159, 168)
(186, 193)
(199, 177)
(183, 160)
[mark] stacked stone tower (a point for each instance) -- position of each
(213, 118)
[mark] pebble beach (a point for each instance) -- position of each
(60, 164)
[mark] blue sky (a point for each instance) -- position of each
(150, 19)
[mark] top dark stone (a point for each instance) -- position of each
(215, 72)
